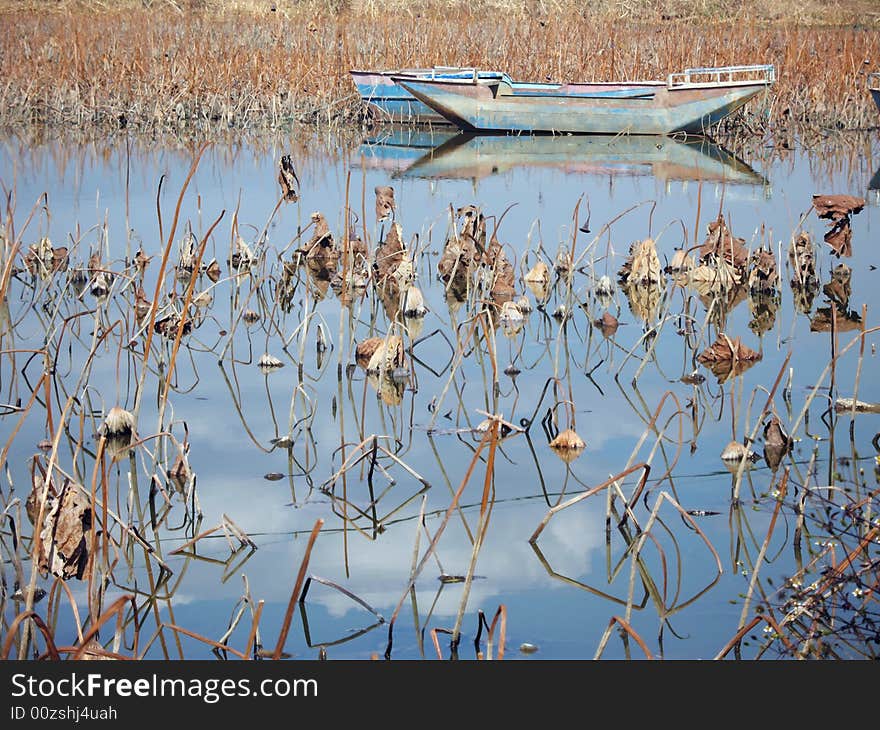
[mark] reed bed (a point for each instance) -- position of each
(208, 67)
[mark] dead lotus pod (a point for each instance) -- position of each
(568, 445)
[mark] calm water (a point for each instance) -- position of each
(559, 593)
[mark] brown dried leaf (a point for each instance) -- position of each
(839, 289)
(288, 180)
(844, 321)
(837, 207)
(608, 324)
(388, 356)
(365, 349)
(777, 443)
(801, 258)
(385, 205)
(473, 226)
(390, 253)
(721, 242)
(840, 238)
(63, 547)
(763, 276)
(726, 357)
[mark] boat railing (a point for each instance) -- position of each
(467, 73)
(874, 81)
(762, 73)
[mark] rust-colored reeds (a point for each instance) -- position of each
(237, 66)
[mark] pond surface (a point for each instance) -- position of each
(705, 547)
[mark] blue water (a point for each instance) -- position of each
(559, 597)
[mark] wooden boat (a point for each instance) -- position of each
(874, 87)
(387, 101)
(690, 101)
(476, 156)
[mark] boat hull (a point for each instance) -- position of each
(485, 107)
(388, 102)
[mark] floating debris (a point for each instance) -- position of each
(527, 648)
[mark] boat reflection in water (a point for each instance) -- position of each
(407, 154)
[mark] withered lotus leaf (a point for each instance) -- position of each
(642, 266)
(608, 324)
(62, 548)
(843, 321)
(390, 254)
(763, 276)
(777, 443)
(288, 180)
(538, 274)
(726, 357)
(567, 445)
(363, 353)
(721, 242)
(385, 204)
(801, 258)
(840, 238)
(839, 289)
(836, 207)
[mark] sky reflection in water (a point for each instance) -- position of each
(559, 597)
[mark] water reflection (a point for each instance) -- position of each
(266, 406)
(440, 154)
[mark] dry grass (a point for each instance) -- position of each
(159, 65)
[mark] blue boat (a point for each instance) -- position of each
(690, 101)
(387, 101)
